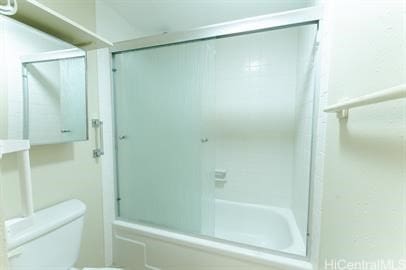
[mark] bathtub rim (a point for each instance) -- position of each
(219, 247)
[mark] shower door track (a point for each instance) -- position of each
(297, 17)
(274, 21)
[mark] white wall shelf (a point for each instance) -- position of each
(39, 16)
(343, 107)
(11, 146)
(21, 147)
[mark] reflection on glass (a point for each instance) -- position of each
(55, 100)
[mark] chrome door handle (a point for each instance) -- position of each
(122, 137)
(99, 151)
(65, 130)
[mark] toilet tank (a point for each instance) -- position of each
(50, 240)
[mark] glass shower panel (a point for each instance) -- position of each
(161, 136)
(215, 136)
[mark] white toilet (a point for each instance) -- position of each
(50, 240)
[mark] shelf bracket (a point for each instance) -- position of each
(343, 114)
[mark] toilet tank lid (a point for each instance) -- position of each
(23, 230)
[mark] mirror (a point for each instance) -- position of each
(43, 93)
(54, 85)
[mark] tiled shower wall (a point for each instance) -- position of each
(254, 116)
(266, 82)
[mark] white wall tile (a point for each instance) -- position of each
(254, 116)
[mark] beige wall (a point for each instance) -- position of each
(65, 171)
(364, 203)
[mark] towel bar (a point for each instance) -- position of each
(343, 107)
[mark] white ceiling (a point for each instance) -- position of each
(156, 16)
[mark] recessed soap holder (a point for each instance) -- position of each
(220, 176)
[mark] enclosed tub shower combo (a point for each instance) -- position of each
(214, 132)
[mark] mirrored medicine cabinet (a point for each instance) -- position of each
(44, 86)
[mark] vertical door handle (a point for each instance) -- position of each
(98, 125)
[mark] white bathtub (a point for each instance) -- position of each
(139, 246)
(257, 225)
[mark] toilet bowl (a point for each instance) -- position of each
(50, 239)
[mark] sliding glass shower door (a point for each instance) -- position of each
(161, 135)
(214, 137)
